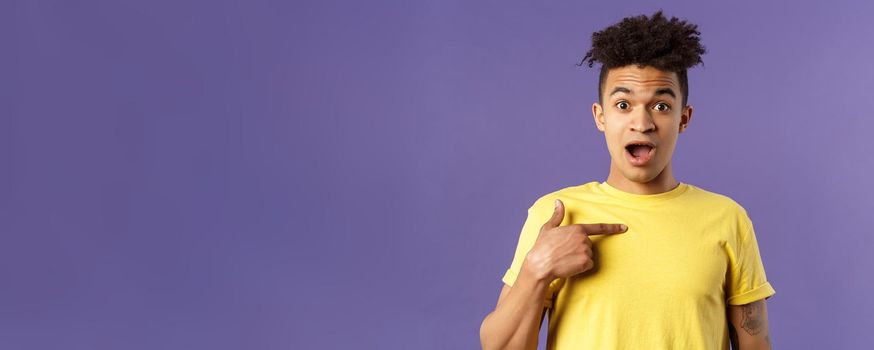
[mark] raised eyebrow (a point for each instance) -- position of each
(665, 91)
(620, 89)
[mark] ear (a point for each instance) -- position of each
(598, 114)
(685, 118)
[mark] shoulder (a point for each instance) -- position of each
(716, 200)
(731, 211)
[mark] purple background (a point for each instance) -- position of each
(339, 175)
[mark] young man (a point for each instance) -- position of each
(673, 266)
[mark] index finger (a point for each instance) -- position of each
(603, 229)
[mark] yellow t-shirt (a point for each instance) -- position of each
(664, 283)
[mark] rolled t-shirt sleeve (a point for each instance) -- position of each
(746, 281)
(538, 214)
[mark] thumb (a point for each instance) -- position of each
(557, 215)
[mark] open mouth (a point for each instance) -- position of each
(639, 152)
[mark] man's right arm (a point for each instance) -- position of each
(558, 252)
(515, 322)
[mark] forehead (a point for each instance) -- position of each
(636, 78)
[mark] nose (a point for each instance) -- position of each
(642, 121)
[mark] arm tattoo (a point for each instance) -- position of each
(752, 319)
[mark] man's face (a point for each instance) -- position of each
(641, 118)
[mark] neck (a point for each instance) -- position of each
(663, 182)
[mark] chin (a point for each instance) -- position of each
(641, 175)
(640, 178)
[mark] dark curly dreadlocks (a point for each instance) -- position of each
(669, 45)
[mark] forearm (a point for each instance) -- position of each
(759, 344)
(515, 322)
(750, 326)
(755, 343)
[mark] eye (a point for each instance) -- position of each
(661, 106)
(622, 105)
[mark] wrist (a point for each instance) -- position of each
(536, 269)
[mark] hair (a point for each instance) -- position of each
(668, 45)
